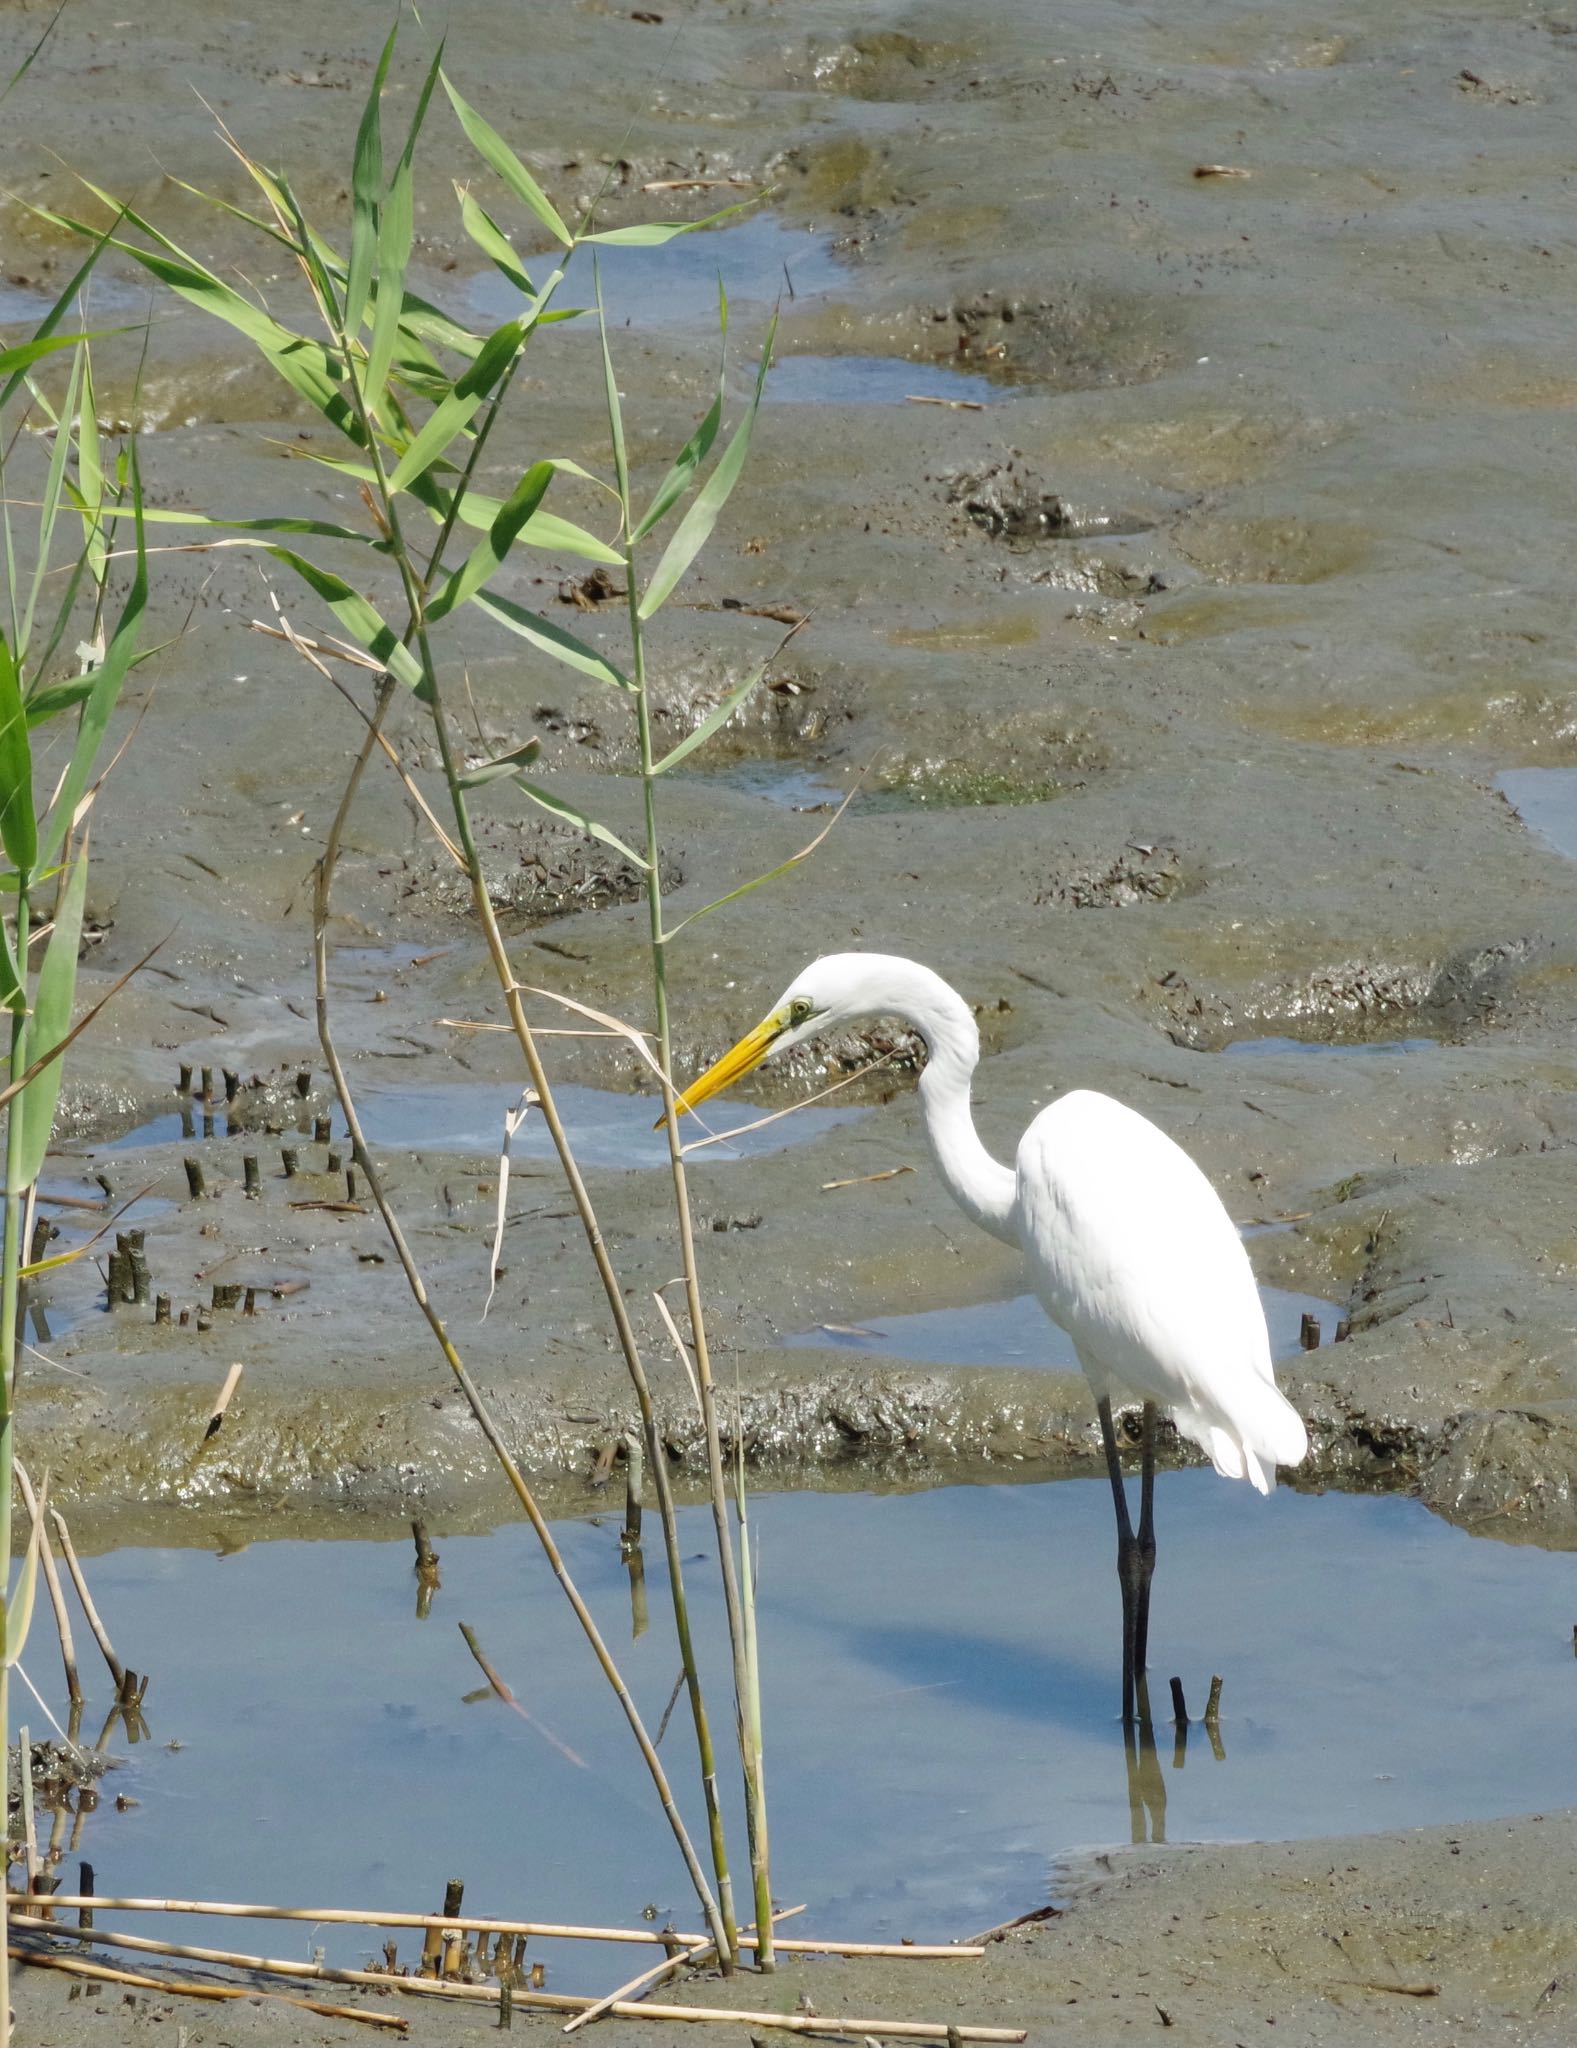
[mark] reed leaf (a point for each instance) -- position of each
(366, 192)
(396, 228)
(44, 337)
(561, 808)
(497, 154)
(487, 557)
(107, 678)
(312, 371)
(698, 447)
(550, 639)
(460, 407)
(721, 712)
(506, 764)
(19, 1598)
(494, 244)
(18, 826)
(653, 234)
(90, 473)
(361, 619)
(693, 531)
(53, 995)
(621, 466)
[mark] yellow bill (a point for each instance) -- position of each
(745, 1057)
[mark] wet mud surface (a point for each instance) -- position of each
(1211, 646)
(1206, 651)
(1440, 1934)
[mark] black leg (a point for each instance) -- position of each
(1146, 1541)
(1128, 1562)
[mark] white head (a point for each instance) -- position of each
(836, 990)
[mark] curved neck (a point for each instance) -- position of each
(983, 1187)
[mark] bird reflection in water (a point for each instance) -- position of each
(1146, 1778)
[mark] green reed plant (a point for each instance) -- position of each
(414, 397)
(61, 578)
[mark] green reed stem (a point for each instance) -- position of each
(755, 1791)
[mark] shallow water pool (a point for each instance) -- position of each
(759, 259)
(1545, 799)
(940, 1675)
(607, 1130)
(1019, 1332)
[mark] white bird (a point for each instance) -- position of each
(1128, 1246)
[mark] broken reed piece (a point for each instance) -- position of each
(252, 1178)
(85, 1882)
(673, 1960)
(542, 2001)
(1179, 1705)
(217, 1413)
(118, 1281)
(207, 1089)
(1343, 1330)
(426, 1556)
(232, 1081)
(196, 1183)
(304, 1083)
(1309, 1332)
(24, 1771)
(521, 1930)
(350, 1183)
(100, 1633)
(106, 1973)
(249, 1302)
(184, 1085)
(432, 1944)
(634, 1491)
(322, 1130)
(1213, 1704)
(333, 1163)
(227, 1294)
(161, 1308)
(290, 1160)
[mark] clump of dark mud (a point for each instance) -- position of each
(1010, 503)
(881, 65)
(535, 871)
(1138, 874)
(1360, 999)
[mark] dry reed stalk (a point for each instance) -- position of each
(57, 1599)
(720, 1921)
(100, 1633)
(681, 1959)
(226, 1392)
(24, 1771)
(543, 2001)
(506, 1694)
(106, 1973)
(347, 1916)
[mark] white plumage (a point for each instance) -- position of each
(1133, 1254)
(1128, 1244)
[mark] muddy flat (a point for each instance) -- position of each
(1167, 444)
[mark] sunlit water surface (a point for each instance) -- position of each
(940, 1674)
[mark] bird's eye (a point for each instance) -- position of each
(800, 1009)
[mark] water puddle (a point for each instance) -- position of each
(1019, 1332)
(607, 1130)
(759, 260)
(1286, 1045)
(939, 1676)
(788, 783)
(1545, 799)
(873, 380)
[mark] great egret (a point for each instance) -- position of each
(1128, 1245)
